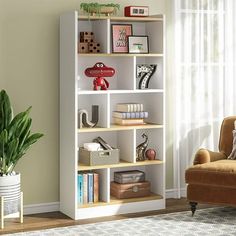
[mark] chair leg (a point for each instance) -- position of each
(193, 207)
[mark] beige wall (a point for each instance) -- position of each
(29, 71)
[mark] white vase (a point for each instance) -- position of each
(10, 189)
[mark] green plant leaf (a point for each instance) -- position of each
(5, 110)
(17, 123)
(12, 150)
(15, 138)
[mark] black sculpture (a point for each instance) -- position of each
(141, 148)
(144, 73)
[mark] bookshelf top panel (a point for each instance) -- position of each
(121, 55)
(122, 18)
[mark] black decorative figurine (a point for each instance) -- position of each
(144, 73)
(141, 148)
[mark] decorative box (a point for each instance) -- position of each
(94, 47)
(104, 157)
(83, 47)
(121, 191)
(136, 11)
(132, 176)
(86, 37)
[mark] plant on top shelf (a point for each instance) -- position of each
(15, 135)
(98, 8)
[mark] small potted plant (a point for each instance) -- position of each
(95, 8)
(15, 139)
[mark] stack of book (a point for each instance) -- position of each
(88, 188)
(129, 114)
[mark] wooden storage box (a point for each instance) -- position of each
(94, 47)
(83, 48)
(104, 157)
(121, 191)
(132, 176)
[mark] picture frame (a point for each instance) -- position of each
(138, 44)
(119, 37)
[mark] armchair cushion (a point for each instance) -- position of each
(203, 156)
(217, 173)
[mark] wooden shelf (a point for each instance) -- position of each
(120, 55)
(120, 128)
(122, 18)
(138, 199)
(114, 201)
(135, 91)
(83, 167)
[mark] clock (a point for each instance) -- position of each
(139, 11)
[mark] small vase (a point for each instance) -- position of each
(10, 189)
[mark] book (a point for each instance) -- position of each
(129, 107)
(128, 121)
(90, 187)
(80, 189)
(85, 188)
(95, 187)
(130, 115)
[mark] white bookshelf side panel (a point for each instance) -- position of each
(99, 28)
(86, 102)
(156, 81)
(152, 103)
(122, 79)
(68, 114)
(155, 141)
(126, 145)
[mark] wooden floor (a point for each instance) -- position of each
(57, 219)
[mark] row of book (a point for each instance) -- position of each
(88, 188)
(129, 114)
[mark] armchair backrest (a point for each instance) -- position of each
(226, 135)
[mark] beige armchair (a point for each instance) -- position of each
(212, 178)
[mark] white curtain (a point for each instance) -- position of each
(205, 81)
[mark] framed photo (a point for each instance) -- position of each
(138, 44)
(120, 33)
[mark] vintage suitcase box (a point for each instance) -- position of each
(132, 176)
(104, 157)
(122, 191)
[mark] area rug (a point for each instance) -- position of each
(211, 221)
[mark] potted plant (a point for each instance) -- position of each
(98, 8)
(15, 139)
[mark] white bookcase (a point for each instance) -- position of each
(76, 93)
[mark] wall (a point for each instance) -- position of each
(29, 63)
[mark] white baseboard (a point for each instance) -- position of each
(55, 206)
(173, 193)
(41, 208)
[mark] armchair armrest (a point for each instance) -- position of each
(204, 156)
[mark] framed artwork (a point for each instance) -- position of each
(120, 33)
(138, 44)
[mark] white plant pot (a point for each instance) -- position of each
(10, 189)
